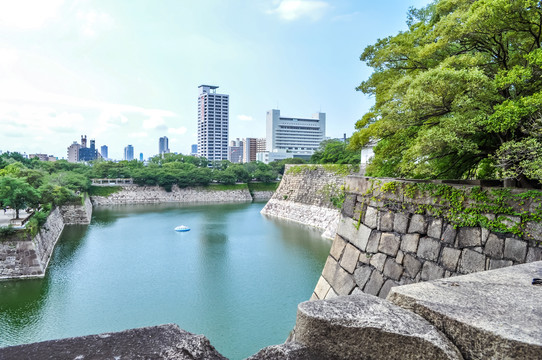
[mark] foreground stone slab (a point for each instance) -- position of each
(494, 314)
(287, 351)
(157, 342)
(367, 327)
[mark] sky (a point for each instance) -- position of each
(127, 72)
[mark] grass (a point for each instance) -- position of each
(222, 187)
(263, 186)
(103, 190)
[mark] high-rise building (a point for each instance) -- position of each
(213, 123)
(103, 151)
(249, 150)
(163, 145)
(141, 157)
(73, 152)
(260, 145)
(87, 153)
(194, 151)
(235, 151)
(288, 137)
(129, 153)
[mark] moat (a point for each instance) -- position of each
(236, 277)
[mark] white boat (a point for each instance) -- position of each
(182, 228)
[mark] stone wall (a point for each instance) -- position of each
(384, 241)
(21, 259)
(304, 196)
(134, 194)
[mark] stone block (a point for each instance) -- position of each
(534, 254)
(389, 244)
(378, 260)
(494, 247)
(337, 247)
(371, 217)
(429, 249)
(322, 287)
(533, 230)
(409, 242)
(386, 221)
(450, 258)
(411, 265)
(385, 290)
(515, 249)
(418, 224)
(331, 294)
(350, 258)
(434, 229)
(497, 264)
(349, 205)
(367, 327)
(290, 350)
(374, 241)
(400, 223)
(374, 284)
(400, 256)
(365, 258)
(348, 229)
(449, 234)
(471, 261)
(362, 275)
(392, 269)
(339, 280)
(469, 236)
(431, 271)
(485, 235)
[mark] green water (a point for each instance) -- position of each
(236, 277)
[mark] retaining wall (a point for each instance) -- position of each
(388, 238)
(304, 195)
(21, 259)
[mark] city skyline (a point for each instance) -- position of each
(128, 73)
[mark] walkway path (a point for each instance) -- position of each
(10, 214)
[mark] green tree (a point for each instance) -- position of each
(336, 152)
(17, 193)
(460, 88)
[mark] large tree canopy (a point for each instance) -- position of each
(458, 95)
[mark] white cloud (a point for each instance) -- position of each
(27, 14)
(93, 22)
(294, 9)
(140, 134)
(245, 117)
(153, 122)
(178, 131)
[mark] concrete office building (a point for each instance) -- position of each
(290, 137)
(103, 151)
(213, 123)
(87, 153)
(73, 152)
(235, 151)
(163, 145)
(129, 153)
(250, 147)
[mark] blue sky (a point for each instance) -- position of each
(127, 72)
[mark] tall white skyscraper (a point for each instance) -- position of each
(129, 153)
(213, 123)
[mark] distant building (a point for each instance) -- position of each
(235, 151)
(260, 145)
(292, 137)
(250, 147)
(213, 123)
(163, 145)
(129, 153)
(42, 157)
(194, 151)
(87, 153)
(103, 151)
(141, 157)
(73, 152)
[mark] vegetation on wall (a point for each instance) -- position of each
(459, 94)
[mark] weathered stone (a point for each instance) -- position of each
(349, 205)
(450, 258)
(431, 271)
(434, 229)
(340, 280)
(497, 264)
(384, 291)
(337, 247)
(362, 275)
(374, 284)
(400, 223)
(322, 287)
(409, 242)
(287, 351)
(487, 315)
(515, 249)
(449, 234)
(365, 258)
(411, 265)
(399, 257)
(392, 269)
(348, 229)
(386, 221)
(389, 244)
(471, 236)
(533, 230)
(156, 342)
(485, 235)
(471, 261)
(331, 294)
(509, 221)
(418, 224)
(374, 241)
(428, 249)
(534, 254)
(378, 260)
(350, 258)
(366, 327)
(494, 247)
(371, 217)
